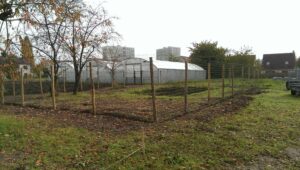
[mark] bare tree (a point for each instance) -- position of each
(46, 24)
(112, 55)
(87, 29)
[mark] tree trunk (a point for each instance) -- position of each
(77, 81)
(112, 78)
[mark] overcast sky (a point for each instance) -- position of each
(268, 26)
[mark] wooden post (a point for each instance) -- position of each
(232, 77)
(134, 78)
(92, 88)
(2, 90)
(41, 83)
(22, 88)
(223, 81)
(208, 81)
(153, 91)
(185, 87)
(249, 73)
(243, 72)
(143, 141)
(141, 74)
(53, 88)
(65, 75)
(14, 87)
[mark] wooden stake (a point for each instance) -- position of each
(65, 75)
(243, 70)
(143, 141)
(2, 90)
(53, 88)
(14, 87)
(22, 88)
(41, 83)
(134, 78)
(153, 91)
(141, 74)
(232, 77)
(249, 73)
(208, 81)
(92, 89)
(223, 81)
(185, 88)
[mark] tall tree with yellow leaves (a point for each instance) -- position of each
(26, 50)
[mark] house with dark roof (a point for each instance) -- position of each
(278, 64)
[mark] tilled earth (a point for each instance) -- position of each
(117, 123)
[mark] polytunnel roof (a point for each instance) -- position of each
(175, 65)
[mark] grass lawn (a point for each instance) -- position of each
(264, 134)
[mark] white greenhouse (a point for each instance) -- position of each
(137, 71)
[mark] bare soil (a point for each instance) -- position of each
(108, 121)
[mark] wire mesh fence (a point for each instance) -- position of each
(135, 94)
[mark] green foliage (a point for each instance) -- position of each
(174, 58)
(9, 67)
(26, 50)
(243, 57)
(208, 52)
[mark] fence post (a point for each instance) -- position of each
(223, 81)
(243, 72)
(92, 88)
(232, 77)
(13, 85)
(134, 78)
(2, 90)
(65, 75)
(143, 141)
(249, 73)
(22, 88)
(185, 87)
(41, 83)
(153, 91)
(141, 73)
(53, 88)
(208, 81)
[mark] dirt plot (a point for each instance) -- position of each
(117, 123)
(174, 91)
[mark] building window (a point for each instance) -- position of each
(268, 63)
(286, 62)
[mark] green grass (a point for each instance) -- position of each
(266, 127)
